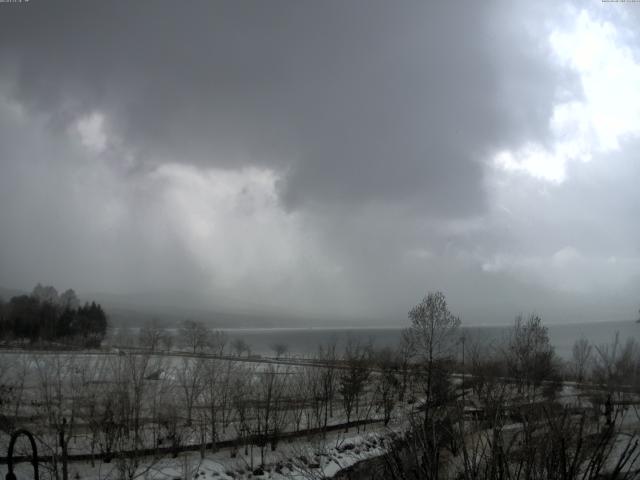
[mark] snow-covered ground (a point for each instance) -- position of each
(314, 458)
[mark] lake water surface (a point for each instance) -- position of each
(305, 341)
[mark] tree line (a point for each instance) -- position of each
(46, 316)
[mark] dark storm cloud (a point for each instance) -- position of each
(356, 101)
(333, 158)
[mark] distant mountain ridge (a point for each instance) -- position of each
(171, 308)
(134, 315)
(7, 293)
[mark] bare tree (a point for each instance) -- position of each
(530, 354)
(300, 395)
(616, 369)
(132, 394)
(190, 375)
(106, 424)
(240, 346)
(386, 383)
(327, 355)
(280, 349)
(94, 401)
(487, 368)
(170, 422)
(313, 396)
(219, 341)
(167, 340)
(269, 411)
(241, 393)
(581, 358)
(194, 335)
(432, 337)
(58, 406)
(13, 372)
(151, 335)
(404, 353)
(45, 294)
(433, 334)
(68, 300)
(616, 365)
(212, 396)
(354, 377)
(225, 392)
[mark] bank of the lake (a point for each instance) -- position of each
(305, 341)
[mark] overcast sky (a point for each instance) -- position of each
(326, 158)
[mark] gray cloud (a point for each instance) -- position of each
(306, 156)
(356, 101)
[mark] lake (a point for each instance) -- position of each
(305, 341)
